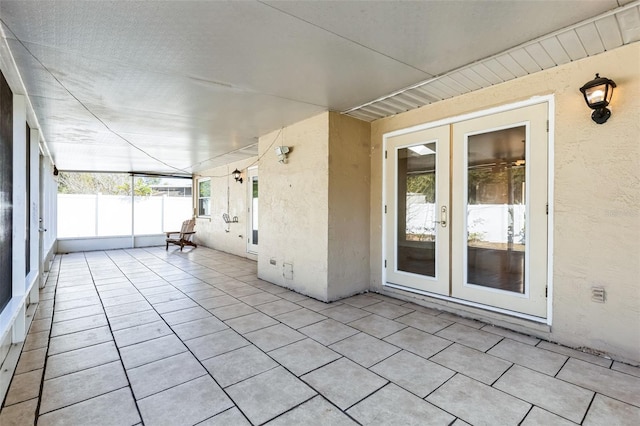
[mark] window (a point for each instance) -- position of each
(204, 197)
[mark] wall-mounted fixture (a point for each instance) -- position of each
(236, 175)
(597, 94)
(281, 152)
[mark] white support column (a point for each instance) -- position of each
(34, 209)
(19, 213)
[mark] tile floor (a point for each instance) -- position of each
(152, 337)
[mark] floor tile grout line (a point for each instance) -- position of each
(199, 362)
(46, 357)
(114, 341)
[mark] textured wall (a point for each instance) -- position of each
(293, 213)
(214, 232)
(349, 171)
(596, 203)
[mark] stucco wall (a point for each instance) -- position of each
(349, 171)
(596, 206)
(293, 213)
(213, 231)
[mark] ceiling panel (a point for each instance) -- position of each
(178, 87)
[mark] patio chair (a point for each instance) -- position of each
(185, 235)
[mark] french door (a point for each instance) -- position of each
(467, 210)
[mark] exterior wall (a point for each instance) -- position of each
(596, 204)
(349, 171)
(227, 196)
(293, 213)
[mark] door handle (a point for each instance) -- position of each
(443, 217)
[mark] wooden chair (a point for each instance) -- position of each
(185, 235)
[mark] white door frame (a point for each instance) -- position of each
(550, 100)
(252, 173)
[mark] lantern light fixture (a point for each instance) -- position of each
(236, 175)
(597, 94)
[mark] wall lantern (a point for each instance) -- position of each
(236, 175)
(597, 93)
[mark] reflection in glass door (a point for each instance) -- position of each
(252, 241)
(496, 219)
(418, 242)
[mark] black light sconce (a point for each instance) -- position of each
(597, 94)
(236, 175)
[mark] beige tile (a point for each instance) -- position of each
(274, 337)
(24, 387)
(20, 414)
(186, 315)
(527, 356)
(472, 363)
(152, 350)
(418, 342)
(231, 417)
(611, 383)
(166, 296)
(40, 325)
(594, 359)
(251, 322)
(477, 403)
(304, 356)
(78, 324)
(278, 307)
(364, 349)
(76, 387)
(377, 326)
(81, 359)
(218, 302)
(141, 333)
(522, 338)
(81, 339)
(188, 403)
(31, 360)
(626, 368)
(556, 396)
(469, 336)
(316, 305)
(361, 300)
(393, 405)
(163, 374)
(269, 394)
(539, 417)
(240, 364)
(413, 373)
(36, 341)
(77, 303)
(328, 331)
(317, 411)
(258, 298)
(461, 320)
(232, 311)
(200, 327)
(344, 313)
(343, 382)
(96, 411)
(300, 318)
(85, 311)
(128, 308)
(424, 322)
(607, 411)
(132, 320)
(174, 305)
(388, 310)
(215, 344)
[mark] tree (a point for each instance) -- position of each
(103, 183)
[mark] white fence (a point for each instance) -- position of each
(89, 215)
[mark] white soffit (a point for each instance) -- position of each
(590, 37)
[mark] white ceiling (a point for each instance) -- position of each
(179, 87)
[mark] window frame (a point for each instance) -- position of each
(199, 213)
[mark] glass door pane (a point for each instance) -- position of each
(416, 209)
(496, 222)
(254, 210)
